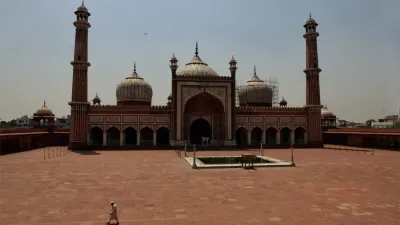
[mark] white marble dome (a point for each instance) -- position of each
(196, 67)
(134, 89)
(326, 113)
(255, 92)
(44, 110)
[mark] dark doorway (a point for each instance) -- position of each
(96, 135)
(285, 136)
(113, 136)
(130, 136)
(299, 136)
(256, 136)
(200, 128)
(241, 136)
(270, 136)
(146, 136)
(162, 136)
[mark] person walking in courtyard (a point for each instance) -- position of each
(113, 213)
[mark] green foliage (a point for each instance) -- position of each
(9, 124)
(369, 122)
(396, 125)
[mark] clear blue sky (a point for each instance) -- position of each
(359, 49)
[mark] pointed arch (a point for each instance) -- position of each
(241, 136)
(300, 135)
(146, 134)
(96, 136)
(203, 102)
(130, 136)
(162, 138)
(113, 136)
(271, 136)
(256, 136)
(285, 133)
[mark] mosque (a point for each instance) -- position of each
(201, 108)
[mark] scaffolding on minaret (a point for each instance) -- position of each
(271, 82)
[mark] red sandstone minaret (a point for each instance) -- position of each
(79, 102)
(313, 102)
(174, 88)
(233, 69)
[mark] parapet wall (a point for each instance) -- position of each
(29, 130)
(138, 108)
(269, 109)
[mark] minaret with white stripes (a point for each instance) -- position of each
(79, 102)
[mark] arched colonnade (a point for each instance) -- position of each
(113, 136)
(271, 136)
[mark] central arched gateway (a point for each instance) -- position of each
(204, 117)
(200, 128)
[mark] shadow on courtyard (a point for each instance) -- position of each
(87, 152)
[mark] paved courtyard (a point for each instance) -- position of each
(157, 187)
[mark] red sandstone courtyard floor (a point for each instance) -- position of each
(157, 187)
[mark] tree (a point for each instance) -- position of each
(9, 124)
(396, 124)
(13, 123)
(369, 122)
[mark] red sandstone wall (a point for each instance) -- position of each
(355, 140)
(365, 130)
(28, 130)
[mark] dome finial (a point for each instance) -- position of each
(255, 70)
(197, 49)
(44, 103)
(134, 67)
(310, 14)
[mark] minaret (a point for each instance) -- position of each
(174, 66)
(233, 69)
(313, 102)
(79, 102)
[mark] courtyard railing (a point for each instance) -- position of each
(347, 148)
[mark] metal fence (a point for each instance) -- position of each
(54, 151)
(350, 148)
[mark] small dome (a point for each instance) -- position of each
(82, 8)
(173, 59)
(326, 113)
(170, 97)
(255, 92)
(283, 102)
(96, 98)
(44, 111)
(134, 89)
(233, 60)
(311, 20)
(196, 67)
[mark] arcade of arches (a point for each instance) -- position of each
(270, 136)
(200, 128)
(129, 137)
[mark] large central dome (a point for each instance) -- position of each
(196, 67)
(134, 90)
(255, 93)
